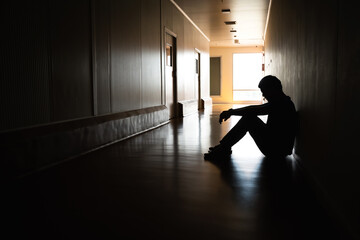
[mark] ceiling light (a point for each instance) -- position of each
(230, 22)
(225, 10)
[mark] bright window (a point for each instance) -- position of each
(247, 72)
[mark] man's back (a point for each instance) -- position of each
(282, 122)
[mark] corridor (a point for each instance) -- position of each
(157, 186)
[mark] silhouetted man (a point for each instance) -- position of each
(276, 137)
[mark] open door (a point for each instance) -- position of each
(170, 75)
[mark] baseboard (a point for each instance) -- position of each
(206, 102)
(29, 150)
(188, 107)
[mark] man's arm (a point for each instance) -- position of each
(262, 109)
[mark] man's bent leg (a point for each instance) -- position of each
(245, 124)
(262, 139)
(268, 142)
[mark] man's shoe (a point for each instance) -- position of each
(220, 149)
(209, 156)
(217, 152)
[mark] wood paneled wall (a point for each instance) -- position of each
(151, 90)
(101, 56)
(313, 48)
(79, 75)
(70, 44)
(188, 40)
(125, 55)
(25, 86)
(64, 60)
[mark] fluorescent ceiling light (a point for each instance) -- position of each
(225, 10)
(230, 22)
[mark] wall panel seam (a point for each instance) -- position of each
(93, 57)
(109, 56)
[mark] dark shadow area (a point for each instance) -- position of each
(157, 186)
(282, 203)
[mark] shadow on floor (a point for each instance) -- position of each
(285, 206)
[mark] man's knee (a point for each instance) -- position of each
(249, 117)
(252, 122)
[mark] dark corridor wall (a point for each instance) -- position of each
(63, 60)
(314, 48)
(76, 75)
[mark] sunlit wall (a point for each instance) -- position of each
(226, 55)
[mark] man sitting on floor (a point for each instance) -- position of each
(276, 137)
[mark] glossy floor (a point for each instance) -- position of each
(158, 186)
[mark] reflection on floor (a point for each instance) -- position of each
(157, 186)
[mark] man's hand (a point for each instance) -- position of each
(225, 115)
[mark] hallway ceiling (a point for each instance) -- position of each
(250, 17)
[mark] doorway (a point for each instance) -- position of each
(170, 74)
(198, 78)
(215, 76)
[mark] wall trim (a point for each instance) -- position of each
(267, 21)
(188, 18)
(206, 102)
(36, 148)
(187, 107)
(168, 31)
(91, 150)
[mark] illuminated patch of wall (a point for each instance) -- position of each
(226, 54)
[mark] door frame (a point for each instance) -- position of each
(175, 95)
(198, 80)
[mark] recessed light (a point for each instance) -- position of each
(230, 22)
(225, 10)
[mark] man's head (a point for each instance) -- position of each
(271, 87)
